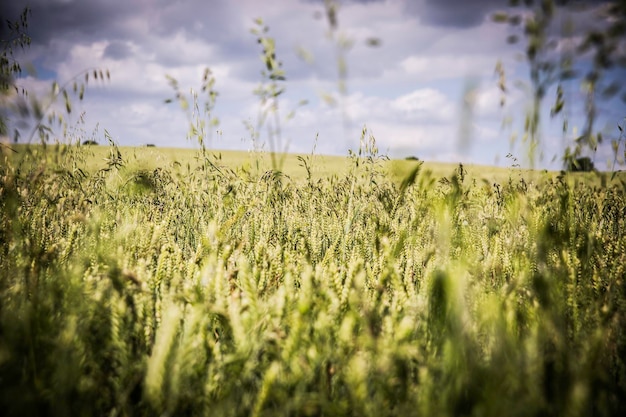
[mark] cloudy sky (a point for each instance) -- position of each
(411, 90)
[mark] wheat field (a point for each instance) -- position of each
(195, 287)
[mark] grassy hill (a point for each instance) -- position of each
(293, 165)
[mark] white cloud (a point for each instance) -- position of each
(429, 68)
(424, 105)
(409, 90)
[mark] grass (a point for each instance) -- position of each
(128, 290)
(152, 281)
(325, 166)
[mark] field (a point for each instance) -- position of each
(322, 166)
(145, 281)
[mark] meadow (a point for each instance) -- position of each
(145, 281)
(170, 282)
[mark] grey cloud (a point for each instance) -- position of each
(117, 50)
(196, 17)
(97, 19)
(469, 13)
(77, 19)
(453, 13)
(70, 22)
(321, 2)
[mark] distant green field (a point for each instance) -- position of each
(322, 166)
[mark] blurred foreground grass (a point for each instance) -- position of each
(133, 284)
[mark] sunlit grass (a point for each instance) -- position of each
(131, 284)
(325, 166)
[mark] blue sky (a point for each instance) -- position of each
(409, 91)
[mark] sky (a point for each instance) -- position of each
(427, 88)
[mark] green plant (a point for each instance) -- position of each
(9, 66)
(193, 290)
(549, 68)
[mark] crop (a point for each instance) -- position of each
(204, 293)
(203, 289)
